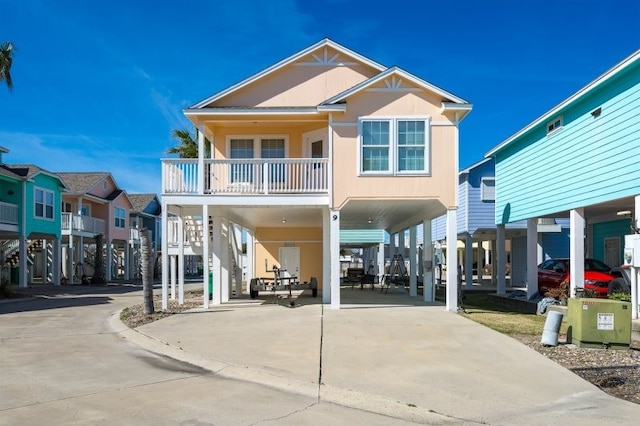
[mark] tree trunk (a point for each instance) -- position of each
(146, 266)
(99, 272)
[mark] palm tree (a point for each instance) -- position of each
(146, 264)
(6, 52)
(187, 145)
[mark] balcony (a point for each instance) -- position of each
(8, 213)
(73, 224)
(246, 176)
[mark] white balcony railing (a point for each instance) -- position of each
(8, 213)
(72, 223)
(246, 176)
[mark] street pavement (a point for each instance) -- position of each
(381, 359)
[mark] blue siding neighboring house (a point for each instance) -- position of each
(579, 160)
(476, 226)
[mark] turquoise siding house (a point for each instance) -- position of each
(580, 160)
(30, 224)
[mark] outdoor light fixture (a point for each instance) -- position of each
(284, 220)
(626, 213)
(369, 221)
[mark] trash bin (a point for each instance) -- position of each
(210, 285)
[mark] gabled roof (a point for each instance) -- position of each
(116, 193)
(81, 183)
(341, 97)
(141, 201)
(6, 171)
(28, 171)
(475, 165)
(586, 90)
(4, 150)
(322, 43)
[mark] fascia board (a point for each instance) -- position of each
(594, 85)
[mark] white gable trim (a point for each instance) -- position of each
(325, 60)
(391, 72)
(323, 43)
(628, 61)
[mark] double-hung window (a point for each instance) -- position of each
(120, 217)
(241, 172)
(43, 203)
(394, 146)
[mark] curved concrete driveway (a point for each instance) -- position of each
(62, 363)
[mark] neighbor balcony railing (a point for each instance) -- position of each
(246, 176)
(8, 213)
(72, 223)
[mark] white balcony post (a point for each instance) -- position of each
(206, 256)
(501, 260)
(427, 258)
(216, 223)
(165, 258)
(532, 249)
(225, 279)
(326, 256)
(335, 257)
(468, 260)
(180, 259)
(576, 249)
(452, 261)
(265, 177)
(413, 253)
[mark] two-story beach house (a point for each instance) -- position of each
(579, 160)
(93, 205)
(323, 140)
(30, 238)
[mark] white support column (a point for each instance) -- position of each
(109, 268)
(69, 260)
(532, 249)
(206, 257)
(237, 271)
(401, 243)
(452, 261)
(165, 258)
(468, 260)
(57, 264)
(413, 267)
(45, 261)
(326, 256)
(335, 258)
(501, 260)
(174, 272)
(635, 272)
(23, 274)
(393, 247)
(251, 272)
(380, 260)
(576, 249)
(479, 259)
(180, 256)
(127, 260)
(218, 283)
(427, 258)
(225, 281)
(494, 264)
(65, 264)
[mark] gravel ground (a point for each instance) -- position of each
(616, 372)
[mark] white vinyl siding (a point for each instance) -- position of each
(394, 145)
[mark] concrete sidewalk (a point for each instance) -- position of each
(384, 353)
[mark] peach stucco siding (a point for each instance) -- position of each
(298, 86)
(268, 241)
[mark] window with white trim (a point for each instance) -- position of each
(554, 125)
(249, 147)
(394, 145)
(488, 189)
(120, 217)
(43, 203)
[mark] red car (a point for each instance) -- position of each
(596, 275)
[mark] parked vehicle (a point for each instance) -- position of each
(597, 275)
(622, 281)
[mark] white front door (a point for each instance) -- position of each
(290, 261)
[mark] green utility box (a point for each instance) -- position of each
(599, 323)
(210, 285)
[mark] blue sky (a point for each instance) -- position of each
(100, 85)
